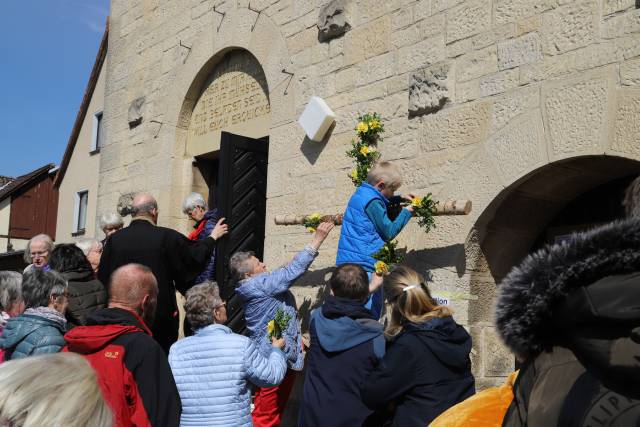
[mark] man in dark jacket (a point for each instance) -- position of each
(571, 313)
(346, 344)
(132, 368)
(174, 260)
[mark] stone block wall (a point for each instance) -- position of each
(474, 95)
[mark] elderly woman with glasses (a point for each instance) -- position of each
(38, 252)
(214, 368)
(205, 220)
(41, 327)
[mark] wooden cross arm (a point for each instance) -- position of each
(449, 207)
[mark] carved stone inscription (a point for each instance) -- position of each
(235, 99)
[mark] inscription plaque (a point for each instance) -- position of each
(235, 99)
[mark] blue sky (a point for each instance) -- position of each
(47, 49)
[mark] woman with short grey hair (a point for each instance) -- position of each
(110, 223)
(216, 355)
(11, 303)
(41, 327)
(11, 293)
(195, 207)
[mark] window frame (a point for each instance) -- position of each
(98, 118)
(76, 230)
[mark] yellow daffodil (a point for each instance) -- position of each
(365, 150)
(381, 268)
(311, 229)
(315, 217)
(374, 124)
(416, 202)
(362, 127)
(271, 327)
(354, 174)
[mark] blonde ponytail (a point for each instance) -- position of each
(410, 300)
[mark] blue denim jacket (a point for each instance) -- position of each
(264, 294)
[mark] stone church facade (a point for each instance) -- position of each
(521, 106)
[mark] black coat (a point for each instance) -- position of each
(174, 260)
(86, 294)
(571, 312)
(425, 371)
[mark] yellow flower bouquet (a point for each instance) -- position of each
(312, 222)
(387, 256)
(424, 208)
(278, 324)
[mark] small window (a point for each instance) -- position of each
(80, 212)
(98, 132)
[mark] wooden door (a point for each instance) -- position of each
(242, 197)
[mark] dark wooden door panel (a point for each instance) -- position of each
(242, 184)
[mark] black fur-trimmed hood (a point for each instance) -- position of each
(529, 294)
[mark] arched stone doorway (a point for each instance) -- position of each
(233, 97)
(531, 211)
(543, 206)
(228, 140)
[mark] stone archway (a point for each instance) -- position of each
(238, 31)
(515, 223)
(511, 225)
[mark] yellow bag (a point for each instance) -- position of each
(484, 409)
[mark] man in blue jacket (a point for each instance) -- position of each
(346, 344)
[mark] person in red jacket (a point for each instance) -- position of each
(132, 368)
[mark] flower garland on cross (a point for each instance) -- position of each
(364, 150)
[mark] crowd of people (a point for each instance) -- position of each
(89, 331)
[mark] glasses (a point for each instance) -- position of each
(38, 254)
(223, 304)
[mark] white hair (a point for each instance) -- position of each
(10, 289)
(87, 244)
(192, 201)
(48, 243)
(110, 219)
(52, 390)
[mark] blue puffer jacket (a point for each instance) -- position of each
(210, 270)
(264, 294)
(212, 370)
(28, 335)
(359, 239)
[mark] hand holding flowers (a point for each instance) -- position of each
(277, 326)
(424, 208)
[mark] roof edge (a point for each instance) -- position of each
(23, 180)
(84, 106)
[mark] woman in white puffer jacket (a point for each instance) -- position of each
(214, 368)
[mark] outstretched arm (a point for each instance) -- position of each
(387, 229)
(279, 280)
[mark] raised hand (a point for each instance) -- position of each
(219, 230)
(321, 234)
